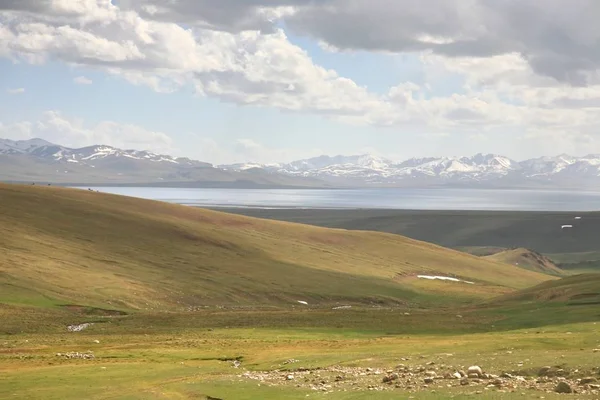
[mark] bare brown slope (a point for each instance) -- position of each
(527, 259)
(67, 245)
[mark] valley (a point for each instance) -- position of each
(105, 296)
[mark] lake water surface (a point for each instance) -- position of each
(412, 199)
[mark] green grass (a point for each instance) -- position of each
(78, 247)
(174, 294)
(187, 356)
(528, 259)
(575, 290)
(539, 231)
(568, 258)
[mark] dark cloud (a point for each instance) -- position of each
(226, 15)
(559, 38)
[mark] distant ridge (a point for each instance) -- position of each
(37, 159)
(480, 170)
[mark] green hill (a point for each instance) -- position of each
(527, 259)
(68, 246)
(539, 231)
(581, 289)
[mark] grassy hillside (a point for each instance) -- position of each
(539, 231)
(62, 246)
(527, 259)
(582, 290)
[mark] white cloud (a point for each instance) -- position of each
(16, 91)
(248, 150)
(528, 67)
(82, 80)
(71, 132)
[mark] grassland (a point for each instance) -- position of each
(177, 297)
(527, 259)
(72, 246)
(538, 231)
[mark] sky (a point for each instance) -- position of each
(265, 81)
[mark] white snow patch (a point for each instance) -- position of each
(302, 302)
(577, 217)
(566, 226)
(78, 328)
(443, 278)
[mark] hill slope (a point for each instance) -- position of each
(539, 231)
(527, 259)
(81, 247)
(581, 289)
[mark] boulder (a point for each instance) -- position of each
(544, 371)
(390, 378)
(563, 387)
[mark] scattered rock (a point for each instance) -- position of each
(457, 375)
(464, 381)
(586, 380)
(544, 371)
(390, 378)
(428, 380)
(563, 387)
(77, 355)
(289, 377)
(79, 327)
(96, 341)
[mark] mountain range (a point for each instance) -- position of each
(39, 160)
(480, 170)
(36, 160)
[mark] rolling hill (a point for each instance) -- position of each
(527, 259)
(69, 246)
(538, 231)
(583, 289)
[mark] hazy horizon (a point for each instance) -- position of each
(333, 155)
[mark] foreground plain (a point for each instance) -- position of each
(193, 304)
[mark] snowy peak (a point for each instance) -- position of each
(86, 155)
(371, 169)
(21, 146)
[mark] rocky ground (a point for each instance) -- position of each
(431, 377)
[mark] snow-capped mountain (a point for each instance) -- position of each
(85, 155)
(478, 169)
(37, 160)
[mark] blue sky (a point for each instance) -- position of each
(252, 95)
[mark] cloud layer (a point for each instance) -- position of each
(528, 67)
(71, 132)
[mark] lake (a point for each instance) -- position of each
(409, 199)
